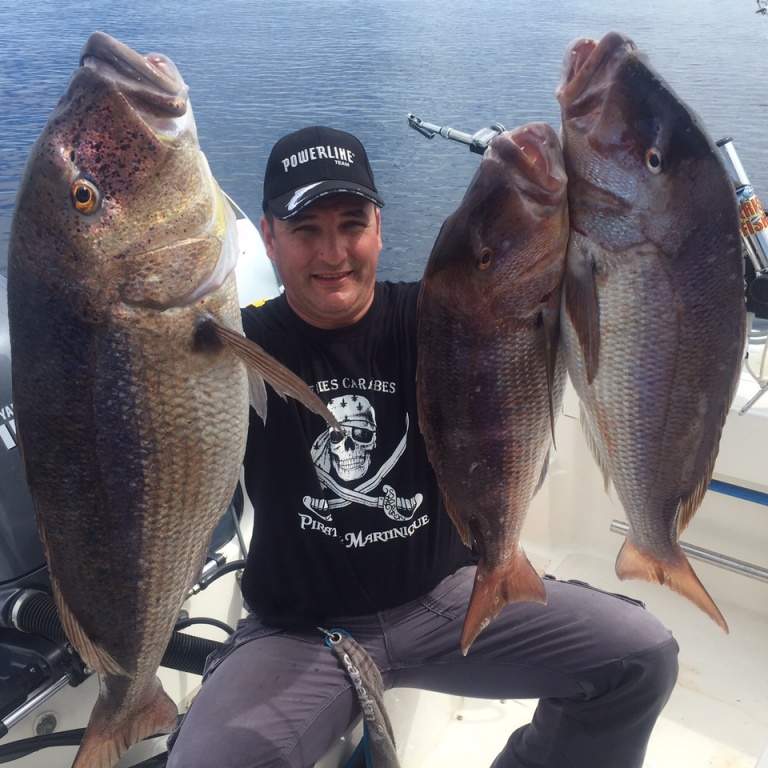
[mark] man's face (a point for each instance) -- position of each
(326, 256)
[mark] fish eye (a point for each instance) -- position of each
(85, 196)
(653, 160)
(485, 258)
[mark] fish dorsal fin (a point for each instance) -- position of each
(93, 654)
(283, 381)
(543, 474)
(583, 305)
(462, 526)
(690, 504)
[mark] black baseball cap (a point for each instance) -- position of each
(312, 163)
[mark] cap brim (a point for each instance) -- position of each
(289, 204)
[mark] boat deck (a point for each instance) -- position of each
(717, 716)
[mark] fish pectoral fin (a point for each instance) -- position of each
(583, 307)
(283, 381)
(550, 320)
(107, 738)
(493, 590)
(675, 573)
(257, 393)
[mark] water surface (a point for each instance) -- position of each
(257, 70)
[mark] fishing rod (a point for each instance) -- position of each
(754, 229)
(478, 141)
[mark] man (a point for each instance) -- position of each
(350, 530)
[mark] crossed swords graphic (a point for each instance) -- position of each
(393, 505)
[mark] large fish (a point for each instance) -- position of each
(654, 297)
(490, 375)
(131, 405)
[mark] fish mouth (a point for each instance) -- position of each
(534, 150)
(152, 83)
(588, 69)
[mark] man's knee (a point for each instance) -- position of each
(666, 665)
(652, 674)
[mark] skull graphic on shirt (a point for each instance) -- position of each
(349, 456)
(350, 453)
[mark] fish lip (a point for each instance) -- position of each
(587, 68)
(153, 79)
(591, 75)
(534, 149)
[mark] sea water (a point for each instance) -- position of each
(259, 69)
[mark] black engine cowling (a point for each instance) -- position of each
(21, 552)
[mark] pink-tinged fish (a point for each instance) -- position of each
(129, 391)
(490, 374)
(653, 320)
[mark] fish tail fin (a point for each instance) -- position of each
(582, 305)
(108, 737)
(493, 590)
(677, 574)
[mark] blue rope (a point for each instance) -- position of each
(329, 632)
(355, 756)
(367, 745)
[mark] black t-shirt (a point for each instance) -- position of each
(343, 526)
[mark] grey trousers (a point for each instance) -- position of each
(602, 667)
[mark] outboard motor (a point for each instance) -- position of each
(21, 552)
